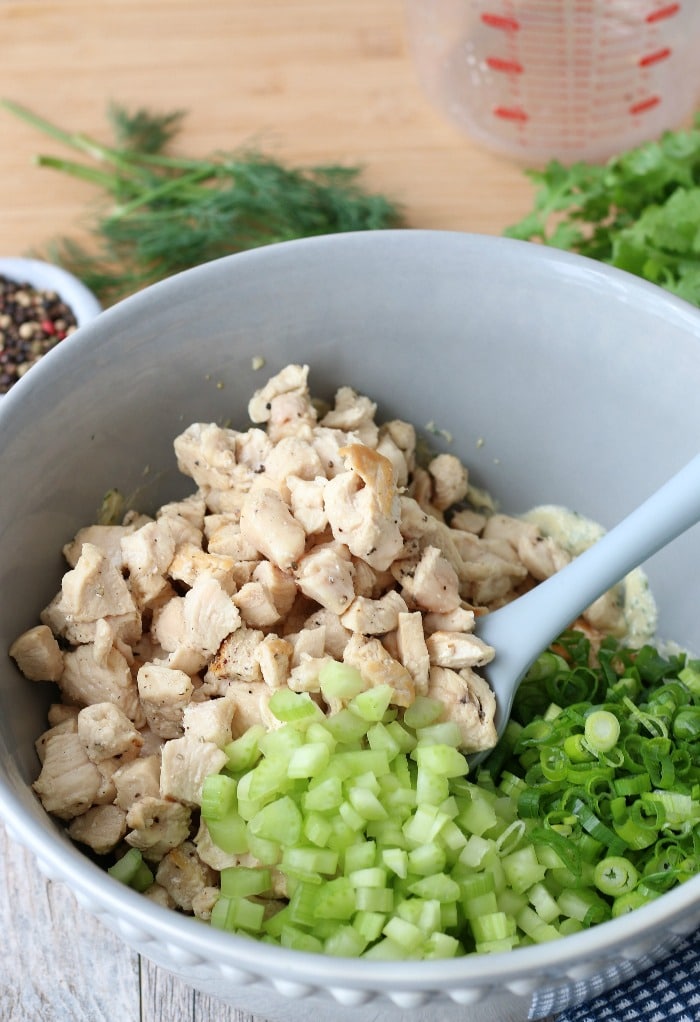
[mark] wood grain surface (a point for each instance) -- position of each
(309, 81)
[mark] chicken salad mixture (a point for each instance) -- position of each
(316, 536)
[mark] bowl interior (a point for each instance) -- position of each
(554, 378)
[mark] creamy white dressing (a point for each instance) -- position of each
(575, 533)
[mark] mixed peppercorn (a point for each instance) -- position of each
(32, 321)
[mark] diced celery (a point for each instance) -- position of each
(374, 899)
(229, 834)
(396, 859)
(346, 942)
(543, 903)
(242, 881)
(317, 828)
(424, 825)
(309, 759)
(366, 803)
(244, 752)
(328, 794)
(132, 871)
(350, 816)
(288, 705)
(339, 680)
(300, 940)
(268, 778)
(336, 899)
(522, 868)
(407, 935)
(431, 788)
(441, 945)
(385, 950)
(441, 759)
(372, 704)
(444, 733)
(438, 886)
(345, 726)
(218, 796)
(426, 859)
(379, 737)
(362, 855)
(372, 876)
(369, 924)
(279, 821)
(492, 926)
(264, 850)
(478, 816)
(423, 711)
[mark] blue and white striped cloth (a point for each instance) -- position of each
(668, 991)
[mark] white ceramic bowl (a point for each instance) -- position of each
(560, 380)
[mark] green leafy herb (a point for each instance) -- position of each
(164, 213)
(640, 211)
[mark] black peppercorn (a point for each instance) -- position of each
(32, 322)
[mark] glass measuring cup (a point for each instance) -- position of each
(566, 79)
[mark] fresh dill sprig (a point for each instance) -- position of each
(163, 213)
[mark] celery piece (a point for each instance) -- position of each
(310, 860)
(317, 828)
(423, 711)
(264, 850)
(362, 855)
(288, 705)
(385, 950)
(379, 737)
(396, 859)
(445, 732)
(242, 881)
(441, 759)
(369, 924)
(128, 870)
(346, 942)
(281, 743)
(218, 796)
(439, 887)
(279, 821)
(372, 704)
(543, 903)
(424, 825)
(268, 778)
(432, 788)
(326, 795)
(441, 945)
(308, 760)
(405, 739)
(366, 803)
(300, 940)
(243, 752)
(345, 726)
(522, 869)
(374, 899)
(371, 876)
(302, 904)
(492, 926)
(219, 913)
(478, 817)
(229, 834)
(426, 859)
(335, 900)
(339, 680)
(318, 732)
(407, 935)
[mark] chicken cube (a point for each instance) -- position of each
(106, 731)
(458, 650)
(374, 617)
(184, 875)
(100, 828)
(412, 650)
(69, 781)
(325, 575)
(88, 679)
(164, 694)
(156, 825)
(378, 667)
(137, 779)
(469, 702)
(38, 655)
(185, 763)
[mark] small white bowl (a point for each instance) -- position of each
(43, 276)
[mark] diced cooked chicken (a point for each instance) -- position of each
(190, 561)
(204, 901)
(38, 655)
(159, 896)
(280, 586)
(199, 621)
(92, 591)
(542, 556)
(69, 781)
(65, 727)
(140, 778)
(223, 536)
(106, 731)
(461, 619)
(469, 702)
(306, 500)
(251, 701)
(374, 617)
(291, 457)
(100, 828)
(256, 605)
(353, 412)
(156, 825)
(185, 762)
(60, 712)
(607, 613)
(207, 453)
(389, 449)
(147, 554)
(211, 854)
(304, 676)
(235, 660)
(458, 650)
(325, 575)
(290, 380)
(184, 875)
(164, 694)
(88, 679)
(210, 721)
(106, 538)
(431, 583)
(291, 415)
(274, 656)
(467, 520)
(335, 634)
(450, 481)
(191, 509)
(309, 642)
(363, 507)
(378, 667)
(328, 444)
(269, 526)
(412, 650)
